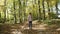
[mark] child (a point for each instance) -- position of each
(30, 20)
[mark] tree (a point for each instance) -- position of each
(39, 10)
(43, 9)
(24, 8)
(14, 11)
(19, 10)
(5, 10)
(57, 8)
(48, 4)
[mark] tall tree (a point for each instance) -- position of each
(14, 11)
(39, 10)
(5, 10)
(43, 9)
(19, 10)
(48, 4)
(56, 7)
(24, 8)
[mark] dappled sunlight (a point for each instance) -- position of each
(1, 2)
(16, 31)
(17, 15)
(58, 29)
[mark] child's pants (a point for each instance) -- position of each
(30, 24)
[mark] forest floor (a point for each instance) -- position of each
(24, 29)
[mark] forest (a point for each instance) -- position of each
(17, 10)
(15, 13)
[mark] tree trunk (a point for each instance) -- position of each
(51, 8)
(4, 11)
(43, 9)
(14, 11)
(56, 9)
(39, 10)
(24, 9)
(48, 9)
(19, 10)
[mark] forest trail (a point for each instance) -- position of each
(35, 26)
(24, 29)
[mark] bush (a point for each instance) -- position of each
(1, 20)
(48, 22)
(53, 21)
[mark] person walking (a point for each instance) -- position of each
(30, 20)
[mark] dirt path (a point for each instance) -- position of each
(35, 26)
(24, 29)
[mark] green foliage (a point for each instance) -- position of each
(47, 22)
(23, 7)
(1, 20)
(52, 21)
(53, 15)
